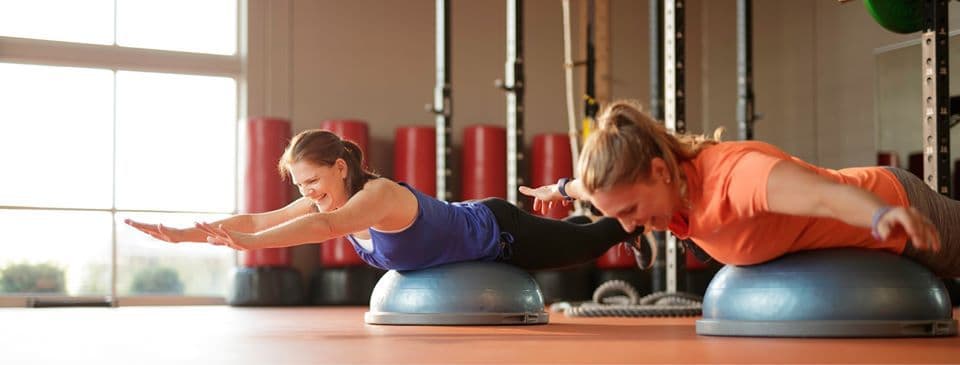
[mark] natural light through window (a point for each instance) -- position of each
(55, 252)
(147, 266)
(96, 127)
(207, 26)
(57, 138)
(86, 21)
(176, 136)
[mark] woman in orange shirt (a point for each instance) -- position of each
(749, 202)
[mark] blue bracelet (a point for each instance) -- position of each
(560, 187)
(876, 219)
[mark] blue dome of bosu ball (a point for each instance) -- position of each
(828, 293)
(466, 293)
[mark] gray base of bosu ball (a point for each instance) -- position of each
(828, 293)
(466, 293)
(350, 285)
(266, 286)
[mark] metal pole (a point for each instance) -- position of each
(658, 279)
(442, 103)
(513, 84)
(674, 103)
(745, 98)
(656, 59)
(936, 97)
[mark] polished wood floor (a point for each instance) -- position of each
(316, 335)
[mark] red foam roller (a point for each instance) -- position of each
(617, 257)
(693, 263)
(338, 252)
(484, 162)
(263, 189)
(891, 159)
(552, 160)
(915, 164)
(415, 158)
(352, 130)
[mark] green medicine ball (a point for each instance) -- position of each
(898, 16)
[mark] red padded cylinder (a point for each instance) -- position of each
(693, 263)
(617, 257)
(551, 159)
(415, 158)
(888, 158)
(263, 189)
(338, 252)
(351, 130)
(915, 164)
(484, 162)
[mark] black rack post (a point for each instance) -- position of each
(656, 59)
(513, 85)
(745, 97)
(442, 103)
(659, 275)
(590, 105)
(674, 96)
(936, 97)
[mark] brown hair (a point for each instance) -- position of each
(625, 142)
(323, 148)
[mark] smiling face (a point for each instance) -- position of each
(324, 185)
(650, 203)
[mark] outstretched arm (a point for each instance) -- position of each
(248, 223)
(793, 189)
(546, 196)
(365, 209)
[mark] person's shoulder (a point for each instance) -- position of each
(378, 187)
(737, 147)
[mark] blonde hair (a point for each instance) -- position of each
(625, 142)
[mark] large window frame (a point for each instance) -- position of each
(118, 58)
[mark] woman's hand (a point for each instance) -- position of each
(544, 197)
(158, 231)
(217, 235)
(923, 234)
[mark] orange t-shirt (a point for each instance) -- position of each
(730, 219)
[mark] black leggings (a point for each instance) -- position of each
(543, 243)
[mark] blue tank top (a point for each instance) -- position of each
(442, 233)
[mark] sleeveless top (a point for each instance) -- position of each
(442, 233)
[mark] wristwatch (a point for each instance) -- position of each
(560, 187)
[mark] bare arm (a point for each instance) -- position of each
(247, 223)
(794, 190)
(546, 196)
(365, 209)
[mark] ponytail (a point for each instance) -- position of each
(626, 140)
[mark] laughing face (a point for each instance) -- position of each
(650, 203)
(324, 185)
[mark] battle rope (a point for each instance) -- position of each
(630, 304)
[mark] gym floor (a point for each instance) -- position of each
(338, 335)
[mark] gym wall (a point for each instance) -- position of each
(814, 67)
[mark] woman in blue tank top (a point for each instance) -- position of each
(394, 226)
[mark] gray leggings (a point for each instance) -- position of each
(945, 214)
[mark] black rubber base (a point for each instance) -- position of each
(343, 285)
(266, 286)
(567, 285)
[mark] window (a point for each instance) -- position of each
(116, 109)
